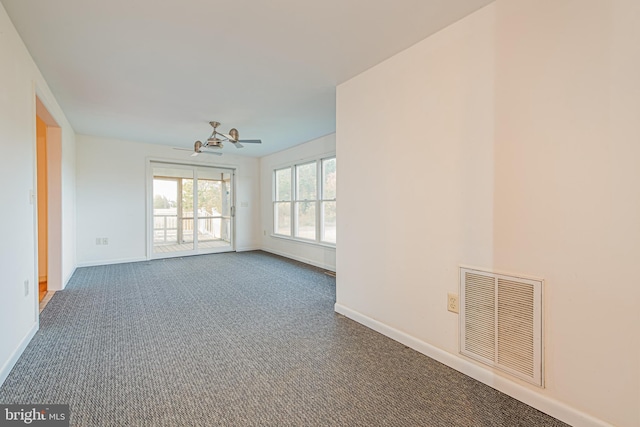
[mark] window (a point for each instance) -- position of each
(304, 203)
(282, 202)
(328, 201)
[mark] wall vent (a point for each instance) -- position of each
(501, 322)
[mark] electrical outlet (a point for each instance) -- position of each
(105, 241)
(452, 303)
(26, 287)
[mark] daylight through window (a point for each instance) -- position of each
(304, 203)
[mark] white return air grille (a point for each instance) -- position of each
(501, 322)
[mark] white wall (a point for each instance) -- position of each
(321, 256)
(567, 194)
(519, 152)
(112, 192)
(20, 81)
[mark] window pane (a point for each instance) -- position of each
(165, 211)
(329, 178)
(225, 229)
(306, 220)
(328, 222)
(282, 218)
(209, 197)
(187, 211)
(283, 184)
(306, 181)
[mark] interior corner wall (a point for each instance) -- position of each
(112, 197)
(320, 256)
(508, 140)
(20, 82)
(415, 150)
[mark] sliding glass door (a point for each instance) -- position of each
(191, 210)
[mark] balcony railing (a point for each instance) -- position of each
(172, 229)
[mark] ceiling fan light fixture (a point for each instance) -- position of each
(215, 140)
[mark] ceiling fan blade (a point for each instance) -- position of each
(229, 137)
(215, 153)
(193, 153)
(251, 141)
(237, 144)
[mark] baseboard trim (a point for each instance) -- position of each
(301, 259)
(111, 261)
(8, 366)
(65, 282)
(543, 403)
(248, 248)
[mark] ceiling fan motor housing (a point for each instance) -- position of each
(214, 142)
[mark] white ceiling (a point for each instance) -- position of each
(158, 71)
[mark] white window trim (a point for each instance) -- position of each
(294, 194)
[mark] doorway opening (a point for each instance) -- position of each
(192, 210)
(42, 201)
(48, 201)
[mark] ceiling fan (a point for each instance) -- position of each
(215, 140)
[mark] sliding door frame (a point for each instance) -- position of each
(151, 162)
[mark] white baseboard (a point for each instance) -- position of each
(537, 400)
(8, 366)
(248, 248)
(65, 282)
(111, 261)
(301, 259)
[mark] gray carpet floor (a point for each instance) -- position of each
(238, 339)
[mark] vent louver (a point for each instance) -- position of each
(501, 322)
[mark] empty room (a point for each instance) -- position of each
(407, 213)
